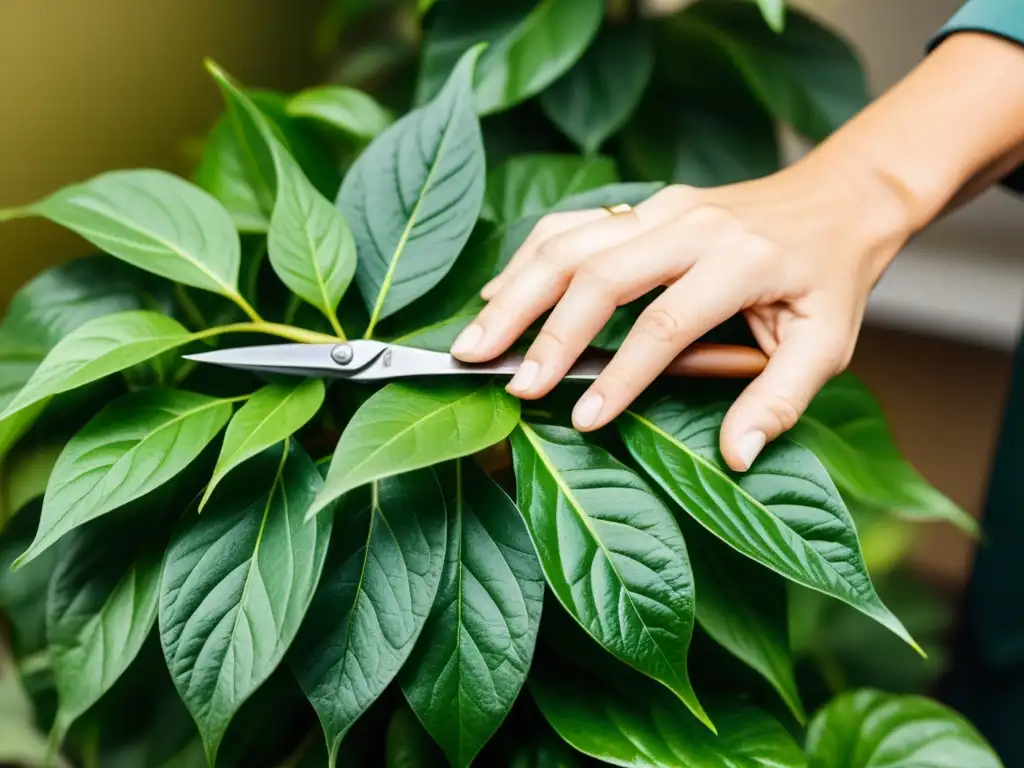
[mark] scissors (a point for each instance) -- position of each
(381, 361)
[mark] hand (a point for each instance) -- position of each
(796, 253)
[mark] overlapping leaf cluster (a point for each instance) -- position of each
(280, 533)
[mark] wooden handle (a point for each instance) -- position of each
(719, 361)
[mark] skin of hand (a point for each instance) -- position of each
(796, 253)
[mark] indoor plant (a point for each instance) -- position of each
(281, 564)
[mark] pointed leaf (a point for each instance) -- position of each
(236, 584)
(413, 196)
(530, 45)
(784, 512)
(404, 427)
(351, 111)
(872, 729)
(531, 185)
(611, 551)
(645, 727)
(135, 444)
(383, 570)
(472, 658)
(774, 12)
(595, 99)
(154, 221)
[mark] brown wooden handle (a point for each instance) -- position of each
(719, 361)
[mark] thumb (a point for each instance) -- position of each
(773, 402)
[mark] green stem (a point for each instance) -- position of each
(336, 325)
(10, 214)
(188, 304)
(289, 332)
(246, 307)
(294, 302)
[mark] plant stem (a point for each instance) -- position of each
(187, 303)
(336, 325)
(10, 214)
(246, 307)
(289, 332)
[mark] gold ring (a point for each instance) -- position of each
(618, 208)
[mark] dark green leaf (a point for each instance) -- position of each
(611, 551)
(23, 591)
(407, 744)
(531, 185)
(784, 512)
(349, 110)
(413, 197)
(530, 45)
(135, 444)
(596, 98)
(871, 729)
(472, 658)
(24, 476)
(405, 427)
(384, 566)
(544, 750)
(236, 584)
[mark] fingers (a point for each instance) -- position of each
(806, 359)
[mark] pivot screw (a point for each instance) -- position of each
(342, 354)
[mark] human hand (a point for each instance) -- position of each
(796, 253)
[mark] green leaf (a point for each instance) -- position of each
(743, 608)
(806, 75)
(99, 348)
(544, 750)
(595, 99)
(531, 185)
(611, 551)
(23, 478)
(351, 111)
(383, 570)
(135, 444)
(404, 427)
(413, 196)
(645, 727)
(871, 729)
(530, 44)
(271, 415)
(21, 743)
(774, 12)
(472, 658)
(236, 584)
(784, 512)
(846, 428)
(154, 221)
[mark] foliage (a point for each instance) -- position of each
(623, 598)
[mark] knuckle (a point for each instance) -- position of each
(675, 196)
(783, 411)
(595, 280)
(660, 324)
(550, 339)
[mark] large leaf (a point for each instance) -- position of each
(236, 584)
(611, 551)
(784, 512)
(596, 98)
(531, 185)
(383, 570)
(99, 348)
(806, 76)
(135, 444)
(413, 196)
(24, 476)
(404, 427)
(154, 221)
(351, 111)
(846, 428)
(270, 416)
(871, 729)
(645, 727)
(472, 658)
(530, 45)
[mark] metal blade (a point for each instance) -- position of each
(312, 360)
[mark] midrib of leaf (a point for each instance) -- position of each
(270, 194)
(459, 502)
(578, 509)
(256, 430)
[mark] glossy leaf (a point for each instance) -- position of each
(531, 185)
(383, 570)
(595, 99)
(135, 444)
(871, 729)
(471, 660)
(154, 221)
(349, 110)
(414, 194)
(774, 12)
(530, 44)
(645, 727)
(23, 478)
(611, 552)
(784, 512)
(236, 584)
(270, 416)
(99, 348)
(404, 427)
(846, 428)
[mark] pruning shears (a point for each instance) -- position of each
(382, 361)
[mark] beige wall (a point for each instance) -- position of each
(92, 85)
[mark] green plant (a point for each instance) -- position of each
(342, 547)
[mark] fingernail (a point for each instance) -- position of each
(750, 446)
(587, 410)
(468, 339)
(525, 376)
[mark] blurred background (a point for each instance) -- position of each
(88, 87)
